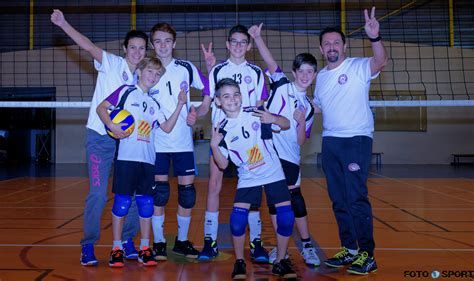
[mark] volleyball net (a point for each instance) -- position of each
(430, 44)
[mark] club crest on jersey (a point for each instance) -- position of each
(342, 79)
(124, 76)
(143, 131)
(248, 79)
(183, 85)
(255, 126)
(255, 158)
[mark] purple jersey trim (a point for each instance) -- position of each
(237, 154)
(206, 91)
(308, 131)
(114, 97)
(283, 103)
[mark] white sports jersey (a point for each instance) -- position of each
(113, 72)
(342, 94)
(284, 100)
(249, 145)
(139, 145)
(179, 75)
(250, 79)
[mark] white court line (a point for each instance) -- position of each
(54, 190)
(322, 248)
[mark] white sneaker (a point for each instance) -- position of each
(272, 256)
(309, 254)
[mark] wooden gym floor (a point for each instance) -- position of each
(423, 222)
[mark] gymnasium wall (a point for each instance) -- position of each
(414, 67)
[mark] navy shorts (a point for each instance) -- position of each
(183, 163)
(292, 172)
(132, 177)
(276, 192)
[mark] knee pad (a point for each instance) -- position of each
(285, 220)
(297, 203)
(121, 205)
(162, 193)
(238, 221)
(144, 205)
(186, 195)
(272, 210)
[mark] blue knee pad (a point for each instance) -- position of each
(285, 220)
(297, 203)
(162, 193)
(121, 205)
(238, 221)
(144, 205)
(186, 195)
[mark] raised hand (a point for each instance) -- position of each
(216, 138)
(371, 24)
(265, 116)
(57, 18)
(192, 116)
(255, 31)
(182, 97)
(300, 115)
(209, 56)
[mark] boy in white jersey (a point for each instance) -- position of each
(245, 137)
(289, 99)
(252, 84)
(176, 146)
(113, 71)
(134, 168)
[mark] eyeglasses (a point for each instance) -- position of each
(242, 43)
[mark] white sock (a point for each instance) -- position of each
(255, 226)
(211, 224)
(183, 227)
(117, 244)
(353, 252)
(158, 223)
(144, 243)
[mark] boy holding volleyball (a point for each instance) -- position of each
(134, 168)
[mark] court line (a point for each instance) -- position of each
(22, 190)
(292, 247)
(53, 190)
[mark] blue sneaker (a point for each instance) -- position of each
(129, 248)
(363, 265)
(257, 252)
(87, 255)
(209, 251)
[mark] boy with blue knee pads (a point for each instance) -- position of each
(245, 137)
(134, 167)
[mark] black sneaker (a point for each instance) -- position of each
(341, 258)
(239, 271)
(257, 252)
(145, 257)
(159, 251)
(209, 251)
(363, 265)
(116, 258)
(185, 248)
(283, 269)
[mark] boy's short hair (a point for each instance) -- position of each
(135, 34)
(239, 29)
(330, 30)
(154, 63)
(164, 27)
(305, 58)
(225, 82)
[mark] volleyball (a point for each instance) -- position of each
(121, 116)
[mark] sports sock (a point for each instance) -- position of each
(183, 227)
(211, 225)
(157, 223)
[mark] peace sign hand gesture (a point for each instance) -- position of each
(208, 56)
(371, 24)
